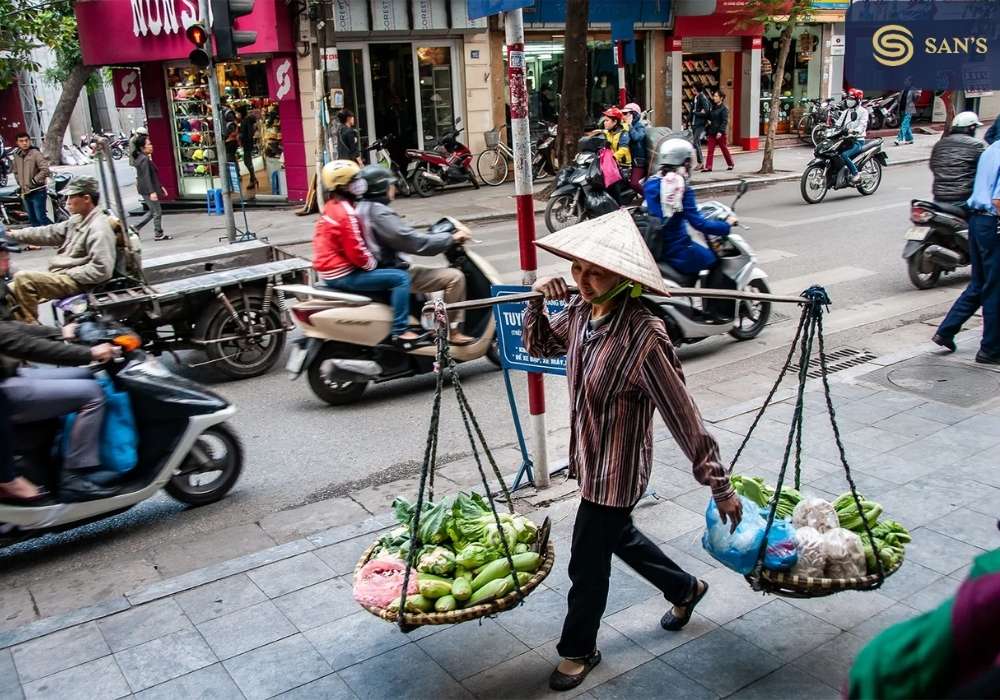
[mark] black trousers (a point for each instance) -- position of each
(598, 533)
(6, 440)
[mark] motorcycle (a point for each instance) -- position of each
(543, 159)
(12, 206)
(342, 349)
(828, 169)
(937, 242)
(185, 446)
(450, 163)
(884, 112)
(579, 192)
(690, 320)
(384, 158)
(6, 162)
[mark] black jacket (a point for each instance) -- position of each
(700, 108)
(348, 147)
(718, 120)
(23, 341)
(147, 176)
(953, 162)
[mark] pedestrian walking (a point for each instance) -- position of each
(983, 289)
(133, 144)
(248, 139)
(621, 365)
(150, 188)
(700, 108)
(907, 108)
(31, 171)
(718, 122)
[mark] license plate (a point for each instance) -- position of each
(296, 360)
(917, 233)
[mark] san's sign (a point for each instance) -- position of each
(128, 88)
(157, 17)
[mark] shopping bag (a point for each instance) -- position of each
(119, 436)
(738, 550)
(609, 167)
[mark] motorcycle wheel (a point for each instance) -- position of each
(816, 135)
(492, 167)
(919, 278)
(403, 184)
(117, 153)
(61, 213)
(493, 353)
(804, 128)
(217, 453)
(757, 312)
(891, 121)
(876, 119)
(813, 184)
(3, 179)
(871, 177)
(240, 358)
(561, 212)
(332, 391)
(421, 185)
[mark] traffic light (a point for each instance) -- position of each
(198, 35)
(228, 39)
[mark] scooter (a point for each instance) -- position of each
(579, 192)
(342, 350)
(6, 162)
(938, 242)
(382, 156)
(12, 206)
(448, 164)
(828, 169)
(690, 320)
(185, 446)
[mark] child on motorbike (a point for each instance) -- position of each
(342, 258)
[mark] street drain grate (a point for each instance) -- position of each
(836, 361)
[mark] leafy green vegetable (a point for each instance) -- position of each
(527, 531)
(474, 555)
(436, 560)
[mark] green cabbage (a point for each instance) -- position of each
(474, 555)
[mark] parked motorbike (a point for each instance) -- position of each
(12, 211)
(828, 169)
(937, 242)
(579, 192)
(382, 157)
(343, 348)
(450, 163)
(543, 160)
(883, 112)
(185, 446)
(690, 320)
(6, 162)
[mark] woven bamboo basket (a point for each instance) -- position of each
(792, 586)
(462, 614)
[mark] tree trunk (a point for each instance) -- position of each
(52, 146)
(767, 165)
(573, 103)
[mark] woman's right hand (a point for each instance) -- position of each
(552, 288)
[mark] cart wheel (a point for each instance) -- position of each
(240, 357)
(210, 469)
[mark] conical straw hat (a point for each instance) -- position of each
(611, 241)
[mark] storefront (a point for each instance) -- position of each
(258, 92)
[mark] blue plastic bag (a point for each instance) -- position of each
(738, 550)
(119, 437)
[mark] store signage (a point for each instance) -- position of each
(350, 16)
(485, 8)
(509, 322)
(430, 14)
(128, 88)
(331, 59)
(389, 15)
(280, 79)
(157, 17)
(837, 45)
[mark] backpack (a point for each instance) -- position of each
(128, 253)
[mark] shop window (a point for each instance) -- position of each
(698, 71)
(436, 104)
(801, 75)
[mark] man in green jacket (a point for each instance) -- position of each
(85, 257)
(31, 170)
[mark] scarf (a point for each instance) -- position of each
(672, 186)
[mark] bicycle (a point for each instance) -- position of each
(492, 164)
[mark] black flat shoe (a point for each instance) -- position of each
(947, 343)
(984, 359)
(672, 623)
(76, 489)
(563, 681)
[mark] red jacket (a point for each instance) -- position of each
(338, 244)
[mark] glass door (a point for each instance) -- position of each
(437, 95)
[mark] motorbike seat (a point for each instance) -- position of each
(9, 192)
(414, 153)
(953, 209)
(352, 297)
(869, 145)
(680, 278)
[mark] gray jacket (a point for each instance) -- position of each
(953, 163)
(390, 239)
(86, 251)
(147, 176)
(908, 102)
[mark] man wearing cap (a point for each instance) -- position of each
(620, 367)
(85, 257)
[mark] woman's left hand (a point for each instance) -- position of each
(731, 511)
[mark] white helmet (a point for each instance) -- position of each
(964, 120)
(674, 151)
(142, 130)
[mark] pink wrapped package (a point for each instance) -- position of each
(380, 582)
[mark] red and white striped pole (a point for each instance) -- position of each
(620, 62)
(521, 138)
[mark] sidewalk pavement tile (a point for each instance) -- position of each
(936, 593)
(915, 504)
(72, 590)
(9, 683)
(785, 684)
(845, 609)
(101, 679)
(278, 667)
(354, 638)
(941, 413)
(650, 680)
(690, 544)
(981, 466)
(619, 654)
(466, 649)
(868, 411)
(783, 630)
(404, 672)
(697, 500)
(908, 425)
(289, 575)
(893, 468)
(877, 439)
(539, 620)
(318, 604)
(946, 447)
(347, 532)
(220, 598)
(869, 486)
(239, 632)
(209, 682)
(223, 545)
(16, 608)
(831, 663)
(668, 482)
(722, 661)
(525, 677)
(377, 499)
(143, 624)
(910, 579)
(48, 625)
(641, 624)
(850, 392)
(730, 597)
(626, 589)
(665, 520)
(59, 651)
(343, 556)
(164, 659)
(983, 424)
(875, 625)
(331, 687)
(827, 450)
(939, 552)
(296, 522)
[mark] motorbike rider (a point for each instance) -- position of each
(669, 197)
(954, 160)
(854, 120)
(390, 240)
(636, 143)
(616, 131)
(342, 258)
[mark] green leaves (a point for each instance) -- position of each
(27, 25)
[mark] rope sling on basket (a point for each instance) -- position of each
(810, 331)
(515, 583)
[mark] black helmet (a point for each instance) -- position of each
(378, 179)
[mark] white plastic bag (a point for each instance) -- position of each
(845, 556)
(815, 513)
(812, 552)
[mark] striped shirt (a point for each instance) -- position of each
(617, 373)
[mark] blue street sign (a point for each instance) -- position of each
(508, 321)
(485, 8)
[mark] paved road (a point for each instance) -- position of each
(300, 450)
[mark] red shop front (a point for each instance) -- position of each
(150, 34)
